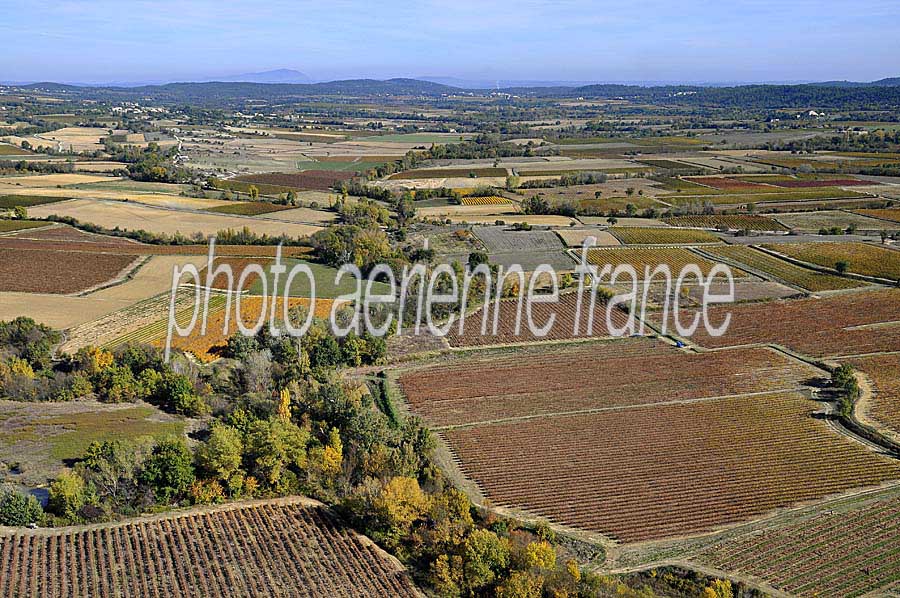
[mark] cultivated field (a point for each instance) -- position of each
(287, 548)
(52, 180)
(861, 258)
(58, 272)
(642, 258)
(563, 327)
(647, 472)
(849, 550)
(731, 222)
(781, 270)
(498, 239)
(815, 221)
(574, 237)
(883, 408)
(501, 387)
(846, 324)
(892, 214)
(632, 235)
(491, 200)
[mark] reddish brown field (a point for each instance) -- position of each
(252, 550)
(563, 327)
(849, 551)
(821, 183)
(845, 324)
(320, 180)
(591, 376)
(58, 272)
(648, 472)
(884, 373)
(71, 242)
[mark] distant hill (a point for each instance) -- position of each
(275, 76)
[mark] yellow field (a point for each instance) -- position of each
(52, 180)
(135, 216)
(650, 257)
(492, 200)
(632, 235)
(861, 258)
(574, 237)
(208, 347)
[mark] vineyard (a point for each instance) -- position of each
(493, 388)
(321, 180)
(650, 257)
(648, 472)
(731, 222)
(884, 373)
(488, 200)
(892, 214)
(562, 329)
(634, 235)
(441, 173)
(782, 270)
(845, 324)
(726, 184)
(821, 183)
(868, 260)
(250, 208)
(281, 549)
(850, 550)
(57, 272)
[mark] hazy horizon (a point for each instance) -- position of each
(572, 40)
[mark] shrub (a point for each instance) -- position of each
(19, 509)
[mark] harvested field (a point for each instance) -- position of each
(844, 324)
(441, 173)
(647, 472)
(862, 258)
(57, 272)
(892, 214)
(763, 200)
(815, 221)
(321, 180)
(499, 239)
(781, 270)
(498, 387)
(491, 200)
(642, 258)
(12, 150)
(574, 237)
(884, 373)
(289, 547)
(563, 327)
(731, 222)
(849, 550)
(751, 290)
(53, 180)
(632, 235)
(305, 215)
(249, 208)
(131, 216)
(509, 219)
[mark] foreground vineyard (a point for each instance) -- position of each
(291, 548)
(673, 469)
(850, 550)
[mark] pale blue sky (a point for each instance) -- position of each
(722, 40)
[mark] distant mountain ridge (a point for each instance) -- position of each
(274, 76)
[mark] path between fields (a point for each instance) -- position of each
(749, 580)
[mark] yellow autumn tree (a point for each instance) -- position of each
(333, 455)
(720, 588)
(400, 502)
(284, 405)
(540, 555)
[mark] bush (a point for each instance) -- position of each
(19, 509)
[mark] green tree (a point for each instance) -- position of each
(842, 266)
(254, 192)
(20, 213)
(486, 559)
(273, 447)
(169, 470)
(67, 495)
(220, 456)
(19, 509)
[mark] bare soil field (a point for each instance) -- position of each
(305, 215)
(456, 212)
(52, 180)
(511, 219)
(131, 216)
(315, 180)
(289, 547)
(574, 237)
(499, 239)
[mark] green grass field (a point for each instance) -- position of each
(325, 285)
(26, 201)
(8, 226)
(12, 150)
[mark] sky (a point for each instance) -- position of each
(102, 41)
